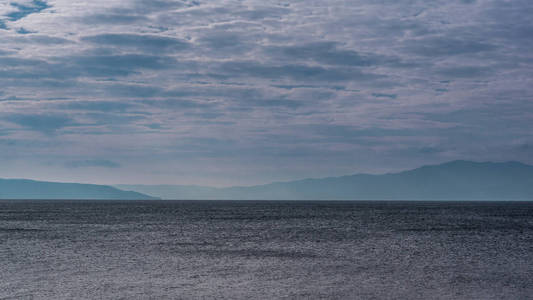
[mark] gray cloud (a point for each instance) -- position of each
(458, 72)
(99, 118)
(46, 123)
(115, 65)
(292, 71)
(263, 12)
(381, 95)
(446, 46)
(36, 39)
(132, 90)
(104, 106)
(246, 92)
(92, 163)
(327, 53)
(113, 18)
(5, 52)
(76, 66)
(138, 42)
(22, 30)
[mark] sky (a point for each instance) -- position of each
(247, 92)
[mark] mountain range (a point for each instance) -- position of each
(456, 180)
(31, 189)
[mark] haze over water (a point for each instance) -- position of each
(265, 249)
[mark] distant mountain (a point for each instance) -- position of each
(30, 189)
(456, 180)
(177, 192)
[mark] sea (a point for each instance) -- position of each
(265, 250)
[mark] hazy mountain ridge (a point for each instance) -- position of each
(456, 180)
(31, 189)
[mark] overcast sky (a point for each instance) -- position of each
(246, 92)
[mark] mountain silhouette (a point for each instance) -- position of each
(31, 189)
(456, 180)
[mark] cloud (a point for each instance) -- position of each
(113, 18)
(115, 65)
(223, 43)
(101, 163)
(138, 42)
(447, 46)
(37, 39)
(346, 132)
(381, 95)
(23, 10)
(263, 13)
(19, 62)
(104, 106)
(132, 90)
(430, 150)
(45, 123)
(465, 71)
(171, 104)
(71, 67)
(244, 92)
(326, 53)
(110, 119)
(21, 30)
(293, 71)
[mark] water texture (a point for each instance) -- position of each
(265, 250)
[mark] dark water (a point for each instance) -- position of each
(264, 250)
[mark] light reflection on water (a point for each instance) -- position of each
(239, 249)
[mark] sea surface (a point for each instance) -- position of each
(265, 250)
